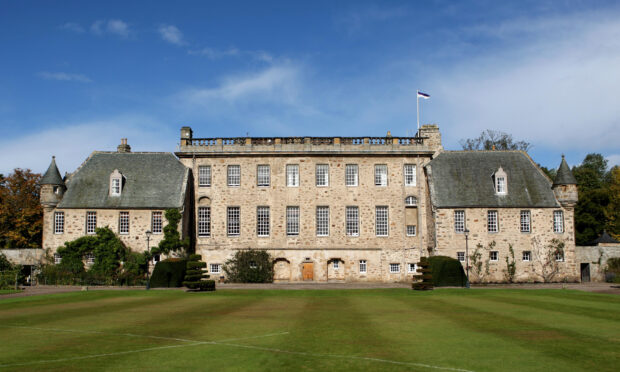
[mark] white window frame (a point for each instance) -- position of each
(411, 201)
(262, 221)
(157, 222)
(493, 221)
(57, 259)
(292, 221)
(559, 256)
(322, 175)
(59, 222)
(460, 256)
(351, 175)
(352, 220)
(410, 173)
(494, 256)
(215, 268)
(204, 221)
(394, 268)
(123, 223)
(381, 175)
(501, 185)
(525, 221)
(336, 264)
(526, 256)
(263, 175)
(411, 230)
(363, 266)
(233, 175)
(233, 221)
(459, 221)
(91, 222)
(116, 186)
(382, 221)
(322, 221)
(89, 258)
(412, 268)
(558, 222)
(292, 175)
(204, 176)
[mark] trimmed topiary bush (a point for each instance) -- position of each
(195, 273)
(168, 273)
(447, 272)
(425, 277)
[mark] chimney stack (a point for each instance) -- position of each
(123, 147)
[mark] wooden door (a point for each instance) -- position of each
(308, 271)
(585, 272)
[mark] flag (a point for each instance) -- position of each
(423, 95)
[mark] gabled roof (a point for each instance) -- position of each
(52, 175)
(564, 175)
(604, 238)
(461, 179)
(151, 180)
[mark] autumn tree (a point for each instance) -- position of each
(612, 212)
(21, 215)
(494, 139)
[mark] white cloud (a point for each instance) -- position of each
(354, 21)
(171, 34)
(215, 54)
(64, 76)
(72, 26)
(613, 159)
(113, 26)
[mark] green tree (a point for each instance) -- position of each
(494, 139)
(21, 215)
(172, 238)
(251, 266)
(612, 212)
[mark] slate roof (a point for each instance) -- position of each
(604, 238)
(460, 179)
(564, 175)
(151, 180)
(52, 175)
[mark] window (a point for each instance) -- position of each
(394, 268)
(363, 267)
(501, 185)
(204, 221)
(410, 174)
(234, 175)
(233, 221)
(351, 174)
(411, 201)
(204, 175)
(492, 225)
(525, 221)
(322, 221)
(262, 221)
(558, 222)
(460, 256)
(116, 186)
(411, 230)
(527, 256)
(262, 175)
(156, 258)
(253, 265)
(156, 223)
(123, 223)
(459, 221)
(292, 221)
(89, 258)
(352, 221)
(322, 175)
(413, 268)
(215, 268)
(292, 175)
(381, 221)
(57, 258)
(493, 255)
(336, 265)
(559, 256)
(59, 222)
(91, 222)
(381, 175)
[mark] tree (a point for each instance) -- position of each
(612, 212)
(545, 262)
(251, 266)
(21, 215)
(494, 139)
(172, 238)
(195, 273)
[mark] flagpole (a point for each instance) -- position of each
(417, 98)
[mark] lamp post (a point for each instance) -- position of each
(148, 259)
(467, 256)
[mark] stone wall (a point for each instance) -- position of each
(24, 256)
(450, 242)
(597, 256)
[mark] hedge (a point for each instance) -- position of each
(168, 274)
(447, 272)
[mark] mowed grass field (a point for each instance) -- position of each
(312, 330)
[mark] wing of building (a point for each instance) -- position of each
(325, 208)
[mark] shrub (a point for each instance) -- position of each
(168, 273)
(425, 277)
(251, 266)
(447, 272)
(612, 270)
(172, 239)
(195, 273)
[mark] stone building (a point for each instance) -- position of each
(123, 190)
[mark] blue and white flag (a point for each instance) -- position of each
(423, 95)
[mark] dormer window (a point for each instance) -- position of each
(116, 183)
(501, 184)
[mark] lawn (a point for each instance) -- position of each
(8, 291)
(348, 330)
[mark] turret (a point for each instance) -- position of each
(52, 186)
(565, 185)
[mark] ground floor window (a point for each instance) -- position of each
(57, 258)
(394, 268)
(413, 267)
(336, 265)
(559, 256)
(89, 258)
(460, 256)
(527, 256)
(494, 255)
(215, 268)
(362, 266)
(411, 230)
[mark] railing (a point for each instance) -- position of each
(316, 141)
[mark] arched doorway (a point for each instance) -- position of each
(335, 269)
(281, 270)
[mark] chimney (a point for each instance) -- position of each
(123, 147)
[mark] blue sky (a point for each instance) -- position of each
(77, 76)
